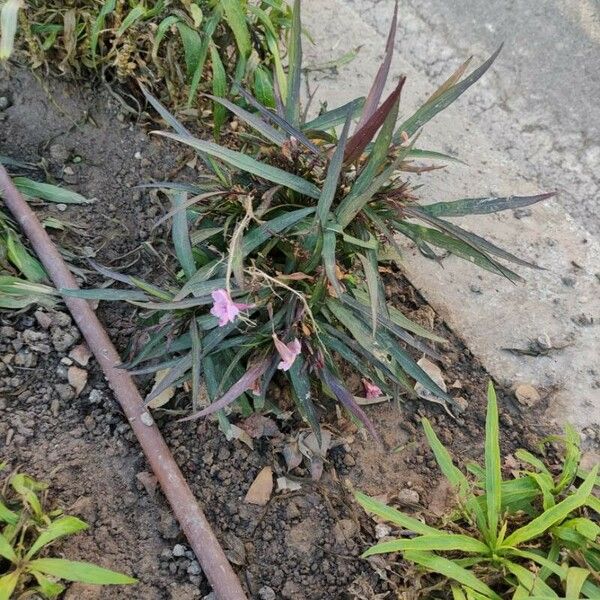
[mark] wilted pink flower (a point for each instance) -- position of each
(288, 352)
(225, 308)
(372, 391)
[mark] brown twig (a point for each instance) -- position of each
(202, 539)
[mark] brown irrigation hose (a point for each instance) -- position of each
(218, 571)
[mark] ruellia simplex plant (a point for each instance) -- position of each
(531, 536)
(280, 248)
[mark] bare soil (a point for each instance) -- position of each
(304, 544)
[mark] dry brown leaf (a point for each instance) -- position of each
(77, 378)
(164, 396)
(81, 355)
(261, 489)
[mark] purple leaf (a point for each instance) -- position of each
(358, 142)
(376, 90)
(347, 400)
(245, 382)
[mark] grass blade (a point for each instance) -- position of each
(181, 236)
(219, 88)
(333, 175)
(248, 164)
(107, 8)
(48, 192)
(292, 100)
(8, 26)
(432, 108)
(253, 120)
(394, 516)
(236, 19)
(235, 391)
(280, 121)
(440, 542)
(450, 569)
(79, 571)
(358, 142)
(554, 515)
(372, 101)
(337, 116)
(56, 529)
(347, 400)
(493, 472)
(482, 206)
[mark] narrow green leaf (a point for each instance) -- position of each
(6, 550)
(329, 261)
(263, 87)
(98, 25)
(576, 577)
(48, 588)
(493, 469)
(571, 460)
(255, 237)
(432, 108)
(440, 542)
(481, 206)
(19, 256)
(292, 100)
(56, 529)
(79, 571)
(333, 175)
(302, 393)
(450, 569)
(46, 191)
(236, 19)
(373, 287)
(219, 88)
(7, 515)
(555, 515)
(181, 236)
(530, 581)
(332, 118)
(105, 294)
(8, 583)
(210, 25)
(455, 246)
(395, 516)
(253, 120)
(134, 15)
(192, 47)
(248, 164)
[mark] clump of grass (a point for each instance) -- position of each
(175, 47)
(532, 536)
(23, 280)
(281, 249)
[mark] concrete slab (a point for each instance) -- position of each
(488, 312)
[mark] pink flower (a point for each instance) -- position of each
(288, 352)
(225, 308)
(371, 390)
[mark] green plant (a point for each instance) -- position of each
(172, 43)
(22, 277)
(280, 249)
(27, 530)
(528, 537)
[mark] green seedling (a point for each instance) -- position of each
(532, 536)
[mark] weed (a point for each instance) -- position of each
(27, 530)
(527, 537)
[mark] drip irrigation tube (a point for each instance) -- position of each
(202, 539)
